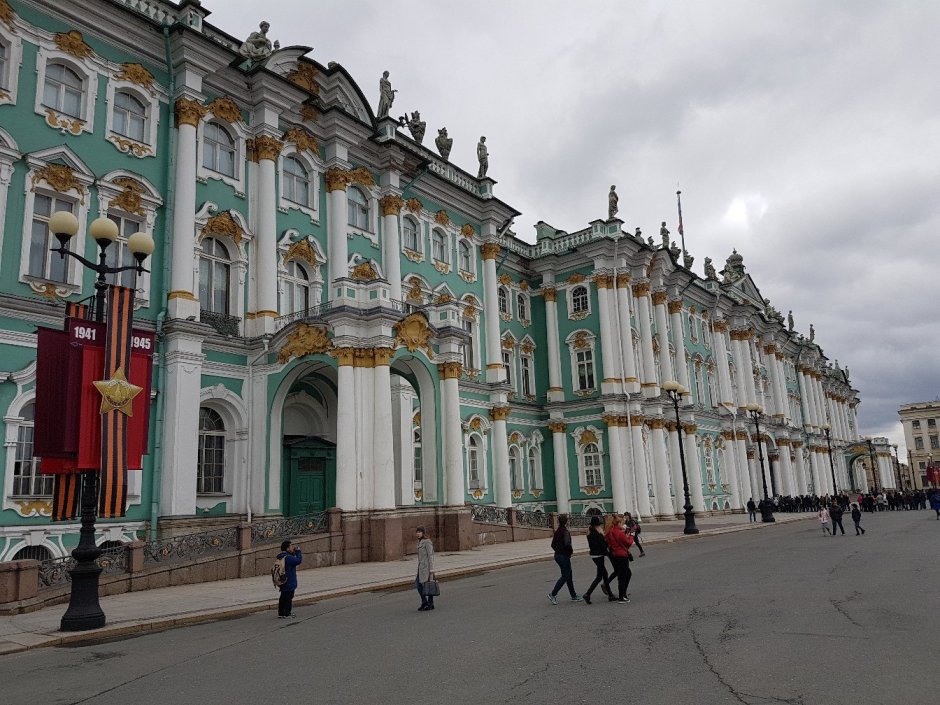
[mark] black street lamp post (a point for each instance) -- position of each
(897, 468)
(767, 508)
(675, 392)
(874, 468)
(832, 468)
(84, 610)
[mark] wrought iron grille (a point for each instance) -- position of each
(582, 521)
(309, 313)
(276, 530)
(536, 519)
(222, 322)
(55, 572)
(191, 546)
(489, 514)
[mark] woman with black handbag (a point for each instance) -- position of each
(427, 586)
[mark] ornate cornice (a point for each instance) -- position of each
(490, 250)
(391, 204)
(189, 112)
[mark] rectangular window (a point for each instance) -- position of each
(119, 255)
(915, 423)
(918, 443)
(468, 346)
(27, 482)
(507, 365)
(4, 66)
(934, 443)
(592, 470)
(527, 376)
(922, 465)
(931, 423)
(210, 471)
(585, 362)
(43, 263)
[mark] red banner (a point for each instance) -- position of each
(933, 474)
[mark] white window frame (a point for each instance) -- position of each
(591, 341)
(237, 132)
(123, 143)
(418, 240)
(584, 313)
(527, 374)
(524, 306)
(372, 204)
(314, 172)
(14, 424)
(482, 483)
(9, 82)
(536, 477)
(474, 329)
(503, 294)
(67, 124)
(509, 366)
(290, 281)
(9, 154)
(436, 233)
(708, 463)
(223, 434)
(517, 472)
(238, 258)
(580, 453)
(462, 245)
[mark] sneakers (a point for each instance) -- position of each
(577, 598)
(623, 600)
(587, 599)
(552, 599)
(605, 589)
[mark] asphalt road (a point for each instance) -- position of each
(783, 615)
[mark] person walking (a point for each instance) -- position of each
(561, 545)
(935, 503)
(597, 547)
(634, 524)
(835, 513)
(751, 510)
(857, 518)
(425, 568)
(292, 557)
(824, 518)
(619, 544)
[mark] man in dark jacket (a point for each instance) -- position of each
(292, 558)
(835, 513)
(561, 545)
(751, 510)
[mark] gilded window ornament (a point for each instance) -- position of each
(524, 285)
(73, 43)
(443, 298)
(364, 272)
(305, 141)
(137, 74)
(415, 293)
(442, 267)
(67, 125)
(362, 176)
(587, 436)
(466, 230)
(60, 177)
(527, 348)
(470, 312)
(130, 146)
(223, 224)
(505, 280)
(413, 332)
(33, 507)
(581, 341)
(129, 199)
(302, 250)
(509, 344)
(475, 423)
(441, 217)
(413, 205)
(576, 278)
(304, 76)
(224, 108)
(305, 340)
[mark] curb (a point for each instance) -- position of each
(182, 620)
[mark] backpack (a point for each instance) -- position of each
(279, 573)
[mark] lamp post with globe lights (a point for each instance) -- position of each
(676, 392)
(827, 429)
(767, 509)
(897, 467)
(84, 610)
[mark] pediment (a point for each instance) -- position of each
(746, 289)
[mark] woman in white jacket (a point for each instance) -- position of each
(425, 568)
(824, 518)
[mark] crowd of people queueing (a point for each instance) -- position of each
(890, 500)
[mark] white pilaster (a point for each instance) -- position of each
(616, 461)
(265, 245)
(664, 505)
(501, 479)
(455, 494)
(391, 246)
(693, 468)
(631, 377)
(555, 390)
(678, 342)
(337, 217)
(383, 451)
(720, 329)
(494, 360)
(182, 299)
(649, 383)
(560, 448)
(799, 469)
(662, 335)
(346, 479)
(608, 370)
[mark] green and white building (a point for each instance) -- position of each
(344, 318)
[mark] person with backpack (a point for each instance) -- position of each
(561, 545)
(857, 518)
(425, 568)
(284, 576)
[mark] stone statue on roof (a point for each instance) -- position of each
(416, 126)
(483, 156)
(790, 322)
(772, 313)
(687, 260)
(734, 267)
(812, 333)
(258, 47)
(710, 272)
(386, 95)
(443, 142)
(612, 200)
(674, 251)
(664, 234)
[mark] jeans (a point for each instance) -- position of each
(564, 562)
(623, 573)
(835, 523)
(858, 529)
(601, 575)
(751, 515)
(285, 603)
(426, 601)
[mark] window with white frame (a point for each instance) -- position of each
(693, 333)
(476, 469)
(210, 460)
(409, 229)
(417, 467)
(63, 90)
(709, 461)
(581, 348)
(712, 388)
(295, 181)
(468, 357)
(465, 257)
(699, 383)
(593, 471)
(503, 300)
(5, 79)
(515, 469)
(439, 245)
(44, 264)
(585, 369)
(357, 208)
(296, 296)
(219, 150)
(130, 117)
(527, 377)
(27, 482)
(215, 276)
(507, 366)
(522, 307)
(580, 302)
(118, 254)
(535, 468)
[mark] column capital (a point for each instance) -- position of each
(637, 419)
(363, 357)
(499, 413)
(490, 250)
(742, 435)
(604, 281)
(671, 426)
(450, 370)
(728, 435)
(188, 111)
(623, 280)
(656, 422)
(391, 204)
(675, 306)
(612, 420)
(783, 441)
(557, 426)
(383, 356)
(720, 326)
(689, 428)
(264, 147)
(550, 293)
(337, 179)
(641, 289)
(659, 297)
(344, 356)
(742, 334)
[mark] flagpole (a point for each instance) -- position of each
(681, 233)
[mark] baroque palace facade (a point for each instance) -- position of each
(344, 317)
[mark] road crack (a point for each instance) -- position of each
(707, 661)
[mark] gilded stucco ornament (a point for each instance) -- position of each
(505, 279)
(267, 147)
(470, 312)
(309, 113)
(337, 179)
(509, 344)
(364, 271)
(466, 230)
(302, 250)
(33, 507)
(130, 146)
(550, 293)
(305, 141)
(413, 205)
(224, 108)
(450, 370)
(68, 125)
(441, 217)
(587, 436)
(73, 43)
(490, 250)
(581, 341)
(305, 340)
(189, 112)
(223, 224)
(60, 177)
(415, 293)
(443, 298)
(304, 76)
(499, 413)
(137, 74)
(414, 333)
(576, 278)
(557, 426)
(6, 14)
(391, 204)
(362, 176)
(129, 199)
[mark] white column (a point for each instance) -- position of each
(267, 149)
(799, 467)
(640, 481)
(786, 468)
(678, 342)
(182, 299)
(662, 334)
(616, 458)
(779, 404)
(820, 399)
(403, 439)
(383, 450)
(775, 471)
(693, 468)
(391, 247)
(664, 506)
(501, 480)
(609, 370)
(729, 468)
(781, 385)
(337, 216)
(805, 402)
(555, 390)
(747, 362)
(181, 431)
(631, 378)
(629, 477)
(494, 360)
(560, 448)
(819, 481)
(675, 465)
(346, 480)
(887, 472)
(742, 465)
(364, 376)
(753, 469)
(649, 384)
(455, 493)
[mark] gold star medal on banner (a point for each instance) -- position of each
(117, 393)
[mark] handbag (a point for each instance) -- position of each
(430, 588)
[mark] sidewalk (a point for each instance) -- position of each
(165, 608)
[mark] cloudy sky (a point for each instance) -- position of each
(806, 134)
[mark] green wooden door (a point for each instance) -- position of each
(312, 478)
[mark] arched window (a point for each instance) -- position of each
(709, 461)
(130, 116)
(527, 382)
(214, 276)
(507, 366)
(439, 245)
(210, 462)
(584, 360)
(535, 469)
(515, 469)
(468, 355)
(27, 482)
(712, 389)
(522, 306)
(474, 462)
(593, 476)
(416, 445)
(44, 264)
(218, 150)
(357, 209)
(296, 288)
(503, 299)
(466, 258)
(33, 553)
(699, 383)
(410, 234)
(295, 181)
(579, 299)
(63, 90)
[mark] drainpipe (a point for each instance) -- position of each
(251, 436)
(157, 471)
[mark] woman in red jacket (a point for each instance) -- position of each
(619, 543)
